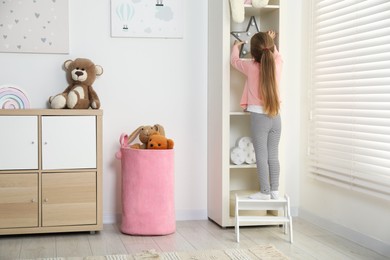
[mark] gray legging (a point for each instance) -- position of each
(266, 136)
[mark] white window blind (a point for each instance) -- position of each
(349, 133)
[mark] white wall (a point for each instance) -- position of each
(145, 81)
(358, 217)
(290, 45)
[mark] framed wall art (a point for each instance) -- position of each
(147, 18)
(34, 26)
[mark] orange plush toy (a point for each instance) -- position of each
(157, 141)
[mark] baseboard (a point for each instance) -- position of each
(359, 238)
(191, 214)
(111, 218)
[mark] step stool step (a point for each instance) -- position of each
(245, 203)
(264, 219)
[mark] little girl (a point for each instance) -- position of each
(260, 97)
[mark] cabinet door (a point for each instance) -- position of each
(68, 142)
(68, 198)
(18, 142)
(18, 200)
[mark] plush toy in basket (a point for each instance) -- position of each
(143, 133)
(81, 74)
(152, 137)
(157, 141)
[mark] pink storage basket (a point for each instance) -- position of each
(147, 191)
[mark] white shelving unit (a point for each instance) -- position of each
(226, 120)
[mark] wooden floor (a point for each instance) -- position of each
(310, 242)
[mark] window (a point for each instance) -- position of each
(349, 127)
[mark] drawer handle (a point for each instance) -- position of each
(46, 200)
(33, 200)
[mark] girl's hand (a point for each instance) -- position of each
(238, 43)
(272, 34)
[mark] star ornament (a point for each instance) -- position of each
(245, 36)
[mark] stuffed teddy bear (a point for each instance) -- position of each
(81, 74)
(143, 133)
(238, 9)
(157, 141)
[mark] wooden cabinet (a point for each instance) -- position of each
(52, 178)
(226, 120)
(18, 200)
(68, 198)
(18, 142)
(68, 142)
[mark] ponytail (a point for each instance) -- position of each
(262, 48)
(268, 85)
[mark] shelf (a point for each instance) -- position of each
(242, 166)
(51, 112)
(264, 7)
(253, 11)
(239, 113)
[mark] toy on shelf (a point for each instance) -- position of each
(237, 8)
(245, 36)
(12, 97)
(81, 74)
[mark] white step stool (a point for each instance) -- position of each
(245, 203)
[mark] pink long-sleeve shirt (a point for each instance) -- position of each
(251, 69)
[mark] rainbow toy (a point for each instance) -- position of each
(13, 98)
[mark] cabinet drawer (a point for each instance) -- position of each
(18, 142)
(68, 198)
(18, 200)
(68, 142)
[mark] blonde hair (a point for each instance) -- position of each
(262, 48)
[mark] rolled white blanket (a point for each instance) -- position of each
(244, 142)
(237, 155)
(250, 155)
(237, 10)
(259, 3)
(246, 145)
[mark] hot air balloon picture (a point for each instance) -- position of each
(124, 12)
(147, 18)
